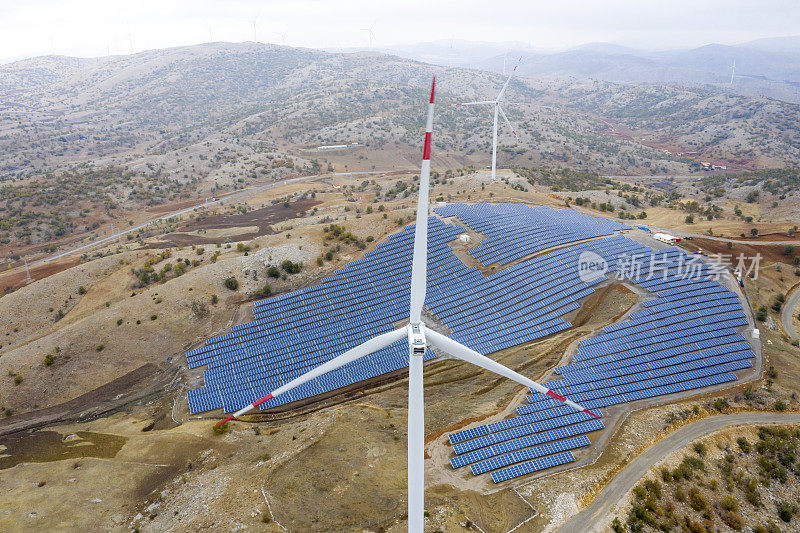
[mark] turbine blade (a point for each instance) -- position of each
(366, 348)
(416, 445)
(507, 121)
(469, 355)
(484, 102)
(503, 90)
(419, 264)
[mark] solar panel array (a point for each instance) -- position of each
(517, 230)
(681, 340)
(294, 332)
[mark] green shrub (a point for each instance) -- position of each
(700, 449)
(48, 359)
(81, 290)
(153, 317)
(729, 503)
(744, 445)
(232, 283)
(696, 500)
(785, 511)
(214, 299)
(291, 268)
(733, 520)
(273, 272)
(99, 347)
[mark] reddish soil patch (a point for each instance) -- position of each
(14, 280)
(769, 252)
(770, 237)
(149, 379)
(175, 206)
(264, 218)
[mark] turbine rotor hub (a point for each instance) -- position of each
(416, 339)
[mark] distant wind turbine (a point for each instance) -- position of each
(283, 37)
(497, 109)
(255, 26)
(371, 33)
(733, 70)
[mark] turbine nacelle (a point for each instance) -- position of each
(417, 344)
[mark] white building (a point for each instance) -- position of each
(666, 237)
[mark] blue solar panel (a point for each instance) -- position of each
(532, 466)
(683, 338)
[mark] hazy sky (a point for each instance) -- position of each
(95, 27)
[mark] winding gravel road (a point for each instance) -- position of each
(223, 199)
(788, 312)
(595, 517)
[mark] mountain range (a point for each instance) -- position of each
(765, 67)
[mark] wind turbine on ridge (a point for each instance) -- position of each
(255, 26)
(497, 109)
(419, 337)
(371, 34)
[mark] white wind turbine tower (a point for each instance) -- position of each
(418, 338)
(371, 33)
(497, 109)
(255, 27)
(733, 70)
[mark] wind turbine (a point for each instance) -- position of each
(371, 34)
(283, 37)
(733, 70)
(497, 109)
(419, 336)
(255, 26)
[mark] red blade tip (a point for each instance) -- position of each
(591, 413)
(223, 422)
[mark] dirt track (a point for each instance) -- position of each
(594, 518)
(787, 313)
(146, 380)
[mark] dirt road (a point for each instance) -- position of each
(116, 236)
(594, 517)
(789, 309)
(681, 233)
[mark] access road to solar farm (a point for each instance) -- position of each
(208, 203)
(595, 517)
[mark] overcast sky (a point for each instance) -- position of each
(98, 27)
